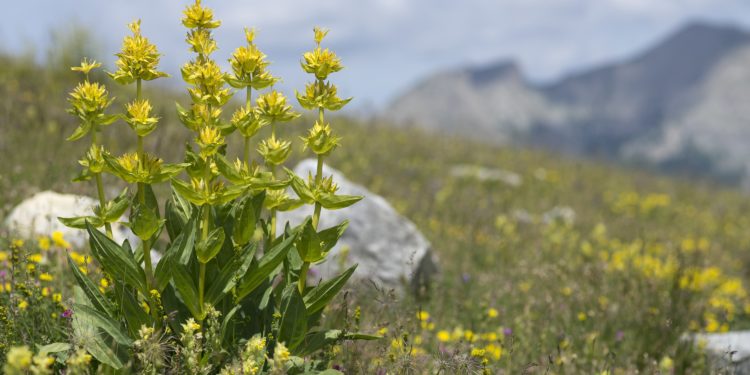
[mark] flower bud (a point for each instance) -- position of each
(320, 139)
(275, 152)
(196, 16)
(138, 58)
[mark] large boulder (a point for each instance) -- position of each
(37, 216)
(388, 247)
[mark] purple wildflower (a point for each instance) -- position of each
(507, 331)
(67, 313)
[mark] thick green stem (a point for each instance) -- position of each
(316, 214)
(100, 186)
(102, 200)
(247, 150)
(204, 235)
(201, 285)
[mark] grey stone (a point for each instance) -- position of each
(389, 248)
(729, 350)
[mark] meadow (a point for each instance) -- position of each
(582, 267)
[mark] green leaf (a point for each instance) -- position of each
(144, 221)
(119, 263)
(330, 236)
(91, 290)
(117, 207)
(105, 323)
(80, 131)
(261, 269)
(55, 347)
(186, 191)
(230, 275)
(102, 353)
(228, 170)
(318, 297)
(179, 252)
(293, 325)
(300, 187)
(177, 212)
(245, 220)
(80, 221)
(208, 247)
(335, 202)
(186, 287)
(308, 245)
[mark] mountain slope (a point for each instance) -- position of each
(632, 110)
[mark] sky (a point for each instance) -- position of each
(386, 45)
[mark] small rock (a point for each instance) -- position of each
(487, 174)
(389, 248)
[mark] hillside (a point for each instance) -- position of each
(676, 105)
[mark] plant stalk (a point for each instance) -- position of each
(302, 281)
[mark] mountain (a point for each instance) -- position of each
(682, 104)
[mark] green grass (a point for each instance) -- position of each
(614, 290)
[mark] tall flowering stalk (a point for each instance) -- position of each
(209, 94)
(320, 95)
(88, 102)
(138, 61)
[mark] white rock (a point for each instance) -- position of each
(730, 349)
(487, 174)
(389, 248)
(37, 216)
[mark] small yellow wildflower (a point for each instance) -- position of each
(17, 243)
(3, 256)
(7, 286)
(57, 238)
(582, 316)
(57, 297)
(525, 286)
(383, 331)
(45, 292)
(566, 291)
(443, 336)
(492, 313)
(18, 360)
(44, 243)
(104, 283)
(478, 353)
(30, 268)
(35, 258)
(423, 315)
(23, 304)
(46, 277)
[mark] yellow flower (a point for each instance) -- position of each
(3, 256)
(45, 292)
(443, 336)
(566, 291)
(582, 316)
(44, 243)
(18, 360)
(17, 243)
(423, 315)
(35, 258)
(104, 283)
(383, 331)
(196, 16)
(57, 297)
(86, 66)
(138, 58)
(45, 277)
(478, 353)
(23, 304)
(57, 238)
(492, 313)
